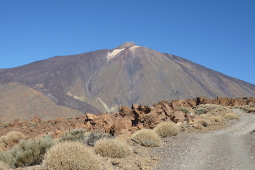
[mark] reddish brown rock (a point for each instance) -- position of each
(90, 116)
(36, 119)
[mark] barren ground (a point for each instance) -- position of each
(231, 148)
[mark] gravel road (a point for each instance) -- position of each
(226, 149)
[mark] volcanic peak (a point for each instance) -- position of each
(126, 45)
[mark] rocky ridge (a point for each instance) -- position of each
(124, 122)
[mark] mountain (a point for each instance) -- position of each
(102, 80)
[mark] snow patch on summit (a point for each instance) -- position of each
(114, 53)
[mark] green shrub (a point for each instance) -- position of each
(147, 137)
(200, 110)
(3, 166)
(91, 138)
(8, 158)
(184, 109)
(70, 155)
(166, 129)
(74, 135)
(112, 148)
(27, 152)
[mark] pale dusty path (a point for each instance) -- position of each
(226, 149)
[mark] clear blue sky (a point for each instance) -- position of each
(218, 34)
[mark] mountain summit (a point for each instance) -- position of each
(101, 81)
(126, 45)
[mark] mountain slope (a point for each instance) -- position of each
(100, 81)
(23, 103)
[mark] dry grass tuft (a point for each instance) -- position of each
(112, 148)
(166, 129)
(15, 136)
(231, 116)
(4, 166)
(147, 137)
(4, 140)
(198, 126)
(70, 155)
(204, 122)
(218, 119)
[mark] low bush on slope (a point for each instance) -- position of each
(112, 148)
(70, 156)
(167, 129)
(80, 135)
(231, 116)
(3, 166)
(27, 152)
(147, 137)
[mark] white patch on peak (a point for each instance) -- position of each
(114, 53)
(134, 47)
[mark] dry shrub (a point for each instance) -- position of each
(3, 166)
(112, 148)
(70, 155)
(222, 112)
(167, 129)
(217, 119)
(147, 137)
(4, 140)
(250, 110)
(15, 136)
(2, 145)
(204, 122)
(231, 116)
(229, 110)
(208, 117)
(198, 126)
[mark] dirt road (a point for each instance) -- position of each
(226, 149)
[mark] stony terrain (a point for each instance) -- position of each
(233, 147)
(229, 148)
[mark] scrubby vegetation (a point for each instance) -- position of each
(204, 122)
(112, 148)
(74, 135)
(147, 137)
(12, 136)
(200, 110)
(212, 109)
(231, 116)
(166, 129)
(92, 137)
(248, 108)
(70, 155)
(27, 152)
(198, 126)
(184, 109)
(80, 135)
(3, 166)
